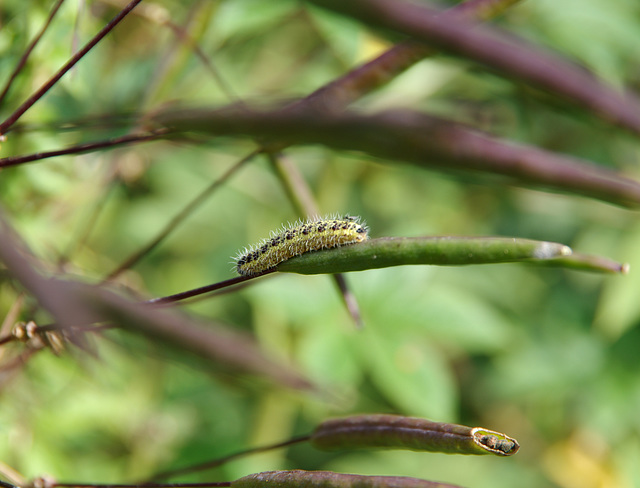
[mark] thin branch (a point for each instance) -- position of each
(89, 222)
(6, 125)
(186, 38)
(23, 59)
(418, 139)
(180, 217)
(223, 460)
(294, 185)
(337, 94)
(76, 304)
(204, 289)
(83, 148)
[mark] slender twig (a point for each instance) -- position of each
(340, 92)
(81, 236)
(180, 217)
(6, 125)
(222, 291)
(185, 37)
(204, 289)
(220, 461)
(349, 300)
(167, 64)
(72, 303)
(23, 59)
(419, 139)
(295, 186)
(83, 148)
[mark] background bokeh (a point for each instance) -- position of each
(546, 355)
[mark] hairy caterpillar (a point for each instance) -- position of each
(300, 238)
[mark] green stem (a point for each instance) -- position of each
(398, 251)
(588, 262)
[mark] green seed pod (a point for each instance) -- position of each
(394, 431)
(327, 479)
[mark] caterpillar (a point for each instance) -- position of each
(302, 237)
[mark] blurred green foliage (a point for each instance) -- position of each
(547, 356)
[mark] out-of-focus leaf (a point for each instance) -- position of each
(329, 355)
(249, 17)
(343, 35)
(420, 303)
(411, 373)
(612, 32)
(619, 306)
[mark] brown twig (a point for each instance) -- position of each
(27, 53)
(418, 139)
(220, 461)
(75, 304)
(204, 289)
(179, 217)
(83, 148)
(338, 94)
(27, 104)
